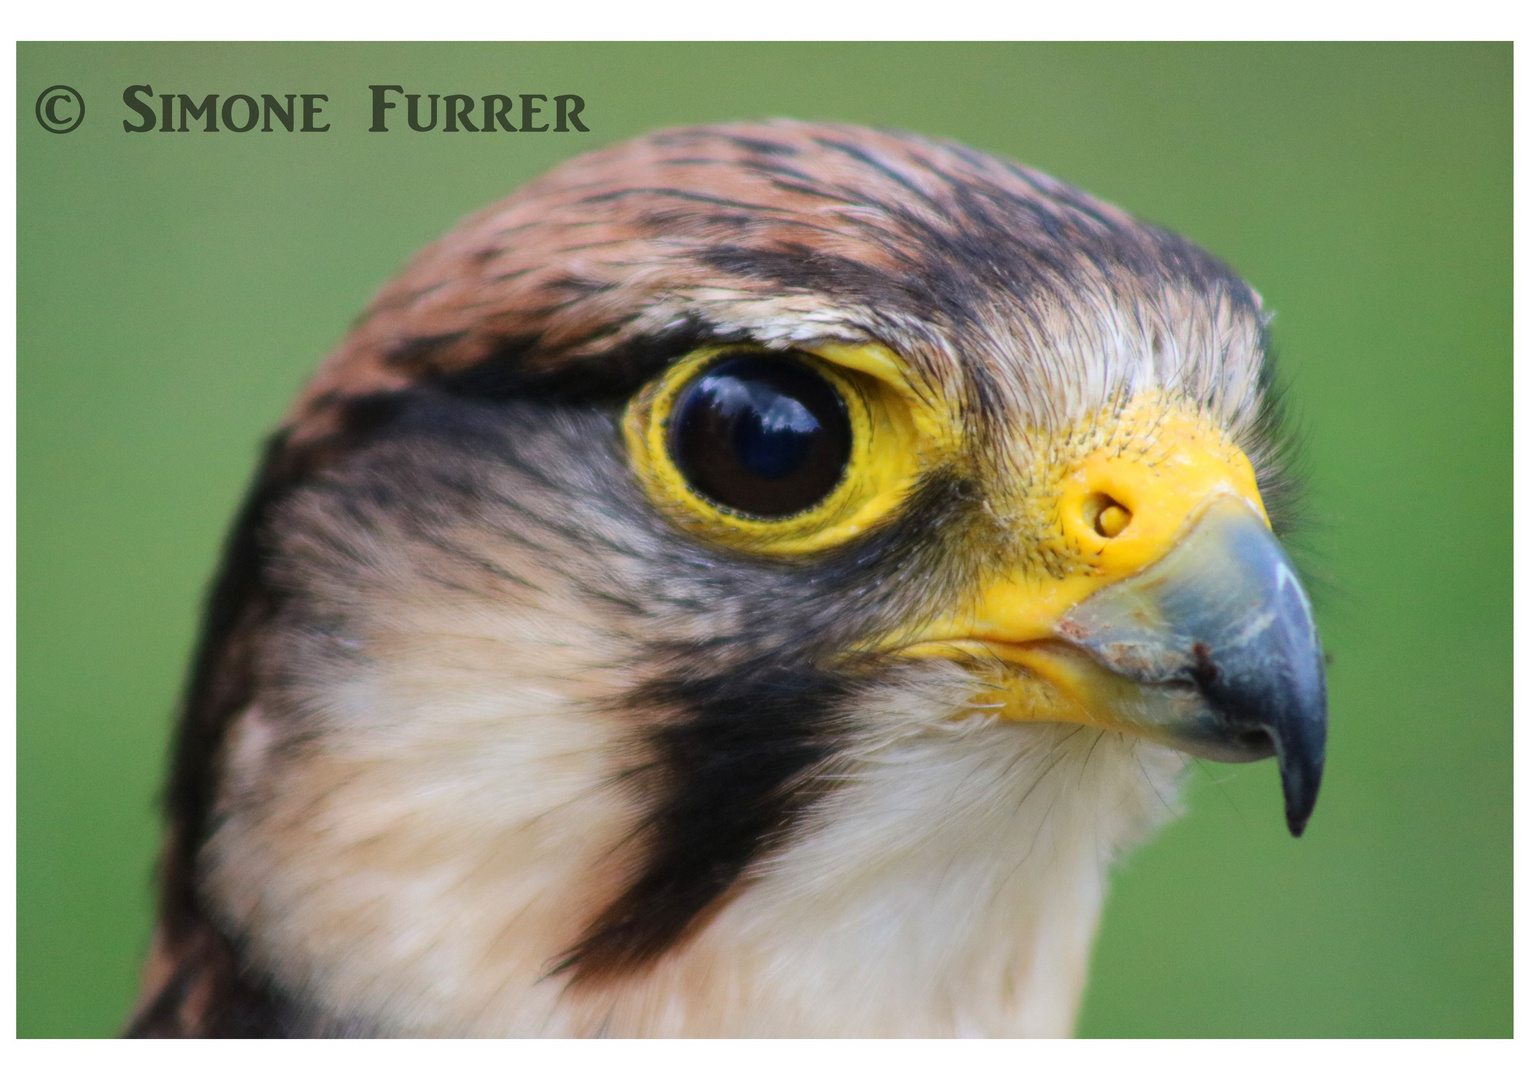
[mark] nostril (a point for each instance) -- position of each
(1106, 516)
(1112, 520)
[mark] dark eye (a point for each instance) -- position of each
(764, 435)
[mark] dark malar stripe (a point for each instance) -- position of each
(734, 778)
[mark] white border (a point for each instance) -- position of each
(773, 20)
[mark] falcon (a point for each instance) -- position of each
(751, 581)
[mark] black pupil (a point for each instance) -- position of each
(764, 435)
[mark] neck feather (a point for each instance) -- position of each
(425, 882)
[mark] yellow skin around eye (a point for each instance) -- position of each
(893, 434)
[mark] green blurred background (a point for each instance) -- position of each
(174, 290)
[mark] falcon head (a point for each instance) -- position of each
(750, 581)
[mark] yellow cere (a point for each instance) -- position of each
(896, 433)
(1142, 478)
(1129, 486)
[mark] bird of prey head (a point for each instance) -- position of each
(750, 581)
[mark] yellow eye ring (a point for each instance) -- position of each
(887, 450)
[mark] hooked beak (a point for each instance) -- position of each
(1219, 652)
(1181, 621)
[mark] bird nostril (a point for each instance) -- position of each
(1112, 520)
(1107, 517)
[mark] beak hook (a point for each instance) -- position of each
(1225, 614)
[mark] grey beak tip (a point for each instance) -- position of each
(1297, 818)
(1300, 770)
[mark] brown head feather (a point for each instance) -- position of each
(777, 232)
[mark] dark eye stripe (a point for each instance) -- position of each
(765, 436)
